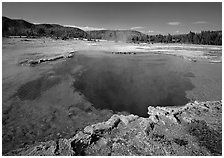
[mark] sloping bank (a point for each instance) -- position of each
(194, 129)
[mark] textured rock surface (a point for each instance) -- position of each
(194, 129)
(42, 60)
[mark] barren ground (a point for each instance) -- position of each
(31, 116)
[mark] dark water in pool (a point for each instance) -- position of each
(133, 83)
(120, 83)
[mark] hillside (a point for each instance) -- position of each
(17, 27)
(116, 35)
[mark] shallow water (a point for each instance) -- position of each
(33, 89)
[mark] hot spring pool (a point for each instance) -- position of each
(132, 83)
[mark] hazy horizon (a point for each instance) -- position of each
(149, 18)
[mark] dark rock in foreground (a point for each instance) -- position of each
(193, 129)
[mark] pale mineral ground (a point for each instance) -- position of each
(55, 93)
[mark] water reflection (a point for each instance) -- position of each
(127, 84)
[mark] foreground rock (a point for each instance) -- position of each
(194, 129)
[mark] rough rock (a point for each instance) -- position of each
(126, 53)
(42, 60)
(193, 129)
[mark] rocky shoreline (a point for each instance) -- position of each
(42, 60)
(193, 129)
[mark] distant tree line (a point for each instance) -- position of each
(141, 39)
(205, 37)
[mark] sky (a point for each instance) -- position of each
(147, 17)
